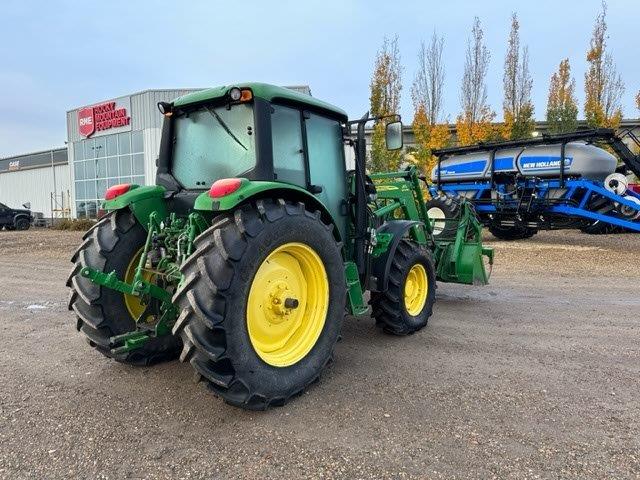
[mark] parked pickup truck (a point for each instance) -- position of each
(14, 218)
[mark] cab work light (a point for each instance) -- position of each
(237, 95)
(224, 186)
(165, 108)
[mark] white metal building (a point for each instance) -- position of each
(41, 179)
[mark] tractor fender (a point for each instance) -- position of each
(254, 190)
(142, 201)
(382, 265)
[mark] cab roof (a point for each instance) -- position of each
(261, 90)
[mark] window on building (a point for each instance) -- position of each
(101, 162)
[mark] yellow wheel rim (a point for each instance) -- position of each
(416, 289)
(287, 304)
(133, 303)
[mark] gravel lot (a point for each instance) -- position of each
(534, 376)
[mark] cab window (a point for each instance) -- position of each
(288, 146)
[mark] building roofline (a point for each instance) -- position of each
(191, 89)
(38, 152)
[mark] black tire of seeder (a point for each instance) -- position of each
(512, 233)
(450, 206)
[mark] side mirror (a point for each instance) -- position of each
(393, 136)
(27, 205)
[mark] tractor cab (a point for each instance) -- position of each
(257, 132)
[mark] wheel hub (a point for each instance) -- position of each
(416, 289)
(279, 302)
(287, 304)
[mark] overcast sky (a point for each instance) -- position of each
(57, 55)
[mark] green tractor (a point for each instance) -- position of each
(255, 242)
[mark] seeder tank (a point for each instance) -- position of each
(581, 160)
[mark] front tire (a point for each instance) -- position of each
(22, 224)
(112, 244)
(407, 304)
(249, 268)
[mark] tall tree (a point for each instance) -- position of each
(602, 84)
(428, 85)
(562, 107)
(386, 86)
(427, 97)
(474, 123)
(517, 105)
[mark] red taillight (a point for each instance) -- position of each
(116, 191)
(224, 186)
(635, 188)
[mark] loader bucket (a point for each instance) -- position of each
(463, 258)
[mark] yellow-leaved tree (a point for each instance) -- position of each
(603, 85)
(474, 123)
(427, 96)
(562, 108)
(385, 87)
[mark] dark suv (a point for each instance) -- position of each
(14, 219)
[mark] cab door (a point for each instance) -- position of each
(327, 171)
(288, 145)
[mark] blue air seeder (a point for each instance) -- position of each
(543, 183)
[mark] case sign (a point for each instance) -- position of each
(102, 117)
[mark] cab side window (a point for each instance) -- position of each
(288, 146)
(327, 164)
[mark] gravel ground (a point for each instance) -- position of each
(533, 376)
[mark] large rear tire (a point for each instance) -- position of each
(262, 303)
(407, 304)
(113, 244)
(512, 233)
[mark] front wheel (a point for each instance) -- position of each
(407, 304)
(262, 303)
(22, 224)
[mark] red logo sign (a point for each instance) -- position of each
(86, 122)
(101, 117)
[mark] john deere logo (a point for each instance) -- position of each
(86, 123)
